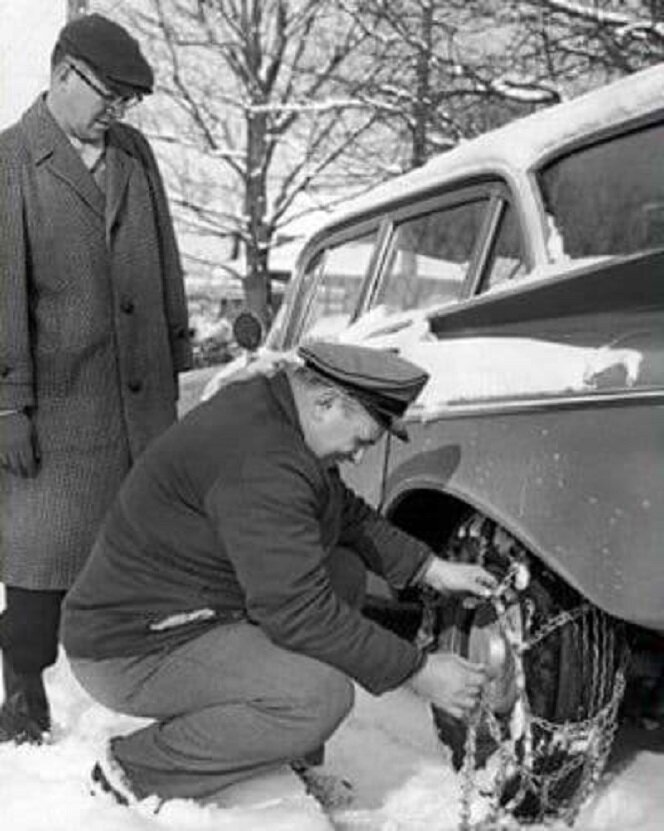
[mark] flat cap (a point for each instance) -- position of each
(380, 380)
(110, 51)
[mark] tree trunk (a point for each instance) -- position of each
(258, 234)
(257, 278)
(257, 241)
(422, 105)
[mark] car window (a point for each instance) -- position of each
(608, 199)
(429, 257)
(339, 273)
(506, 262)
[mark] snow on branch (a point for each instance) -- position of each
(625, 22)
(519, 91)
(181, 143)
(307, 106)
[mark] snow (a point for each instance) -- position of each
(264, 362)
(625, 22)
(401, 778)
(520, 91)
(502, 366)
(48, 788)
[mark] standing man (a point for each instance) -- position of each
(93, 334)
(222, 597)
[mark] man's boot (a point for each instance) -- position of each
(24, 715)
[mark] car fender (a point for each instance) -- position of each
(548, 477)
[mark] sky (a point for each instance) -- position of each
(27, 33)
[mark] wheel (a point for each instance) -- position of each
(557, 675)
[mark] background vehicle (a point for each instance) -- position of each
(524, 270)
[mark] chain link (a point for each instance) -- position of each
(525, 741)
(562, 619)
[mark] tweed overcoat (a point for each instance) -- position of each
(93, 331)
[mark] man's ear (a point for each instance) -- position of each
(323, 401)
(60, 71)
(326, 398)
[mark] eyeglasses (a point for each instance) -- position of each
(116, 104)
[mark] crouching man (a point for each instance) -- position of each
(222, 596)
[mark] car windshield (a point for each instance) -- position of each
(608, 199)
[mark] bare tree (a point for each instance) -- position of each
(581, 42)
(252, 103)
(456, 68)
(450, 69)
(269, 107)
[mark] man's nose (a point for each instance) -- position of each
(117, 109)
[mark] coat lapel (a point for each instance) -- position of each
(118, 171)
(51, 147)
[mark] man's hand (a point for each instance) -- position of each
(451, 683)
(18, 445)
(444, 576)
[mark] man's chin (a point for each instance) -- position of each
(98, 128)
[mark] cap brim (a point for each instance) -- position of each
(125, 89)
(391, 423)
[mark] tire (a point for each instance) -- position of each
(572, 675)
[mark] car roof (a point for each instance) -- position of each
(521, 144)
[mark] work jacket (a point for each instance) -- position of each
(93, 331)
(230, 516)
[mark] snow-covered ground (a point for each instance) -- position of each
(401, 778)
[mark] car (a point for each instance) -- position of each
(524, 270)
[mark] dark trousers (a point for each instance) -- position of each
(227, 705)
(29, 628)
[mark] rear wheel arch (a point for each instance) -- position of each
(432, 515)
(428, 514)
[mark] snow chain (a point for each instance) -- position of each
(549, 767)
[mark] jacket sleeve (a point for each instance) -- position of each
(175, 301)
(16, 369)
(266, 516)
(386, 549)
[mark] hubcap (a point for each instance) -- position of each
(487, 645)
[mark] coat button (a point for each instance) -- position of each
(135, 385)
(127, 306)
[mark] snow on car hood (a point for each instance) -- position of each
(474, 369)
(462, 370)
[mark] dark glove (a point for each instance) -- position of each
(19, 453)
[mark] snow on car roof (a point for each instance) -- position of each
(521, 143)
